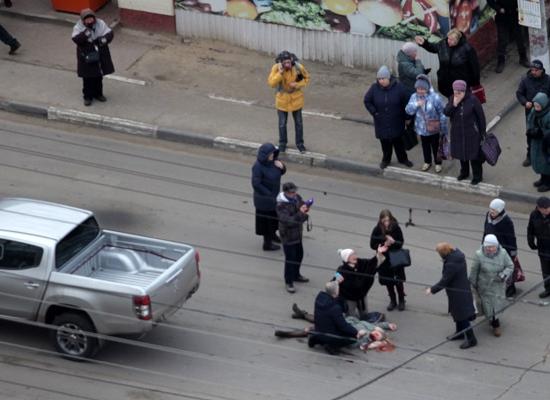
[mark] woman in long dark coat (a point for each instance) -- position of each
(455, 282)
(457, 61)
(499, 223)
(266, 182)
(388, 233)
(92, 36)
(467, 130)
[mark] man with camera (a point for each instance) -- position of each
(289, 77)
(292, 212)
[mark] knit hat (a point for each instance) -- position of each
(345, 254)
(383, 72)
(410, 48)
(497, 205)
(422, 82)
(537, 64)
(490, 240)
(460, 85)
(543, 202)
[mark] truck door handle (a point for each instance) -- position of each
(32, 285)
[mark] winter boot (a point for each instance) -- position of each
(393, 302)
(470, 340)
(500, 64)
(495, 323)
(268, 244)
(401, 297)
(297, 313)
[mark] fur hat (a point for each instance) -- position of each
(497, 205)
(345, 254)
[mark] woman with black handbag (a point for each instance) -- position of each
(388, 233)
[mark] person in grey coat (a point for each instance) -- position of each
(467, 130)
(409, 66)
(491, 267)
(461, 302)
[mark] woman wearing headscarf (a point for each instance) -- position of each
(499, 223)
(454, 280)
(430, 122)
(388, 233)
(92, 37)
(266, 182)
(491, 267)
(457, 61)
(358, 277)
(409, 66)
(467, 130)
(538, 129)
(385, 101)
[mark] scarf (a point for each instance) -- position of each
(99, 29)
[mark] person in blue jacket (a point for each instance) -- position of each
(266, 182)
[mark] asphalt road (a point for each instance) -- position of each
(221, 345)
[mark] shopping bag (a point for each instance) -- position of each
(409, 137)
(490, 148)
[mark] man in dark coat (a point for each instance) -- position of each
(457, 286)
(467, 130)
(331, 328)
(292, 213)
(508, 29)
(266, 182)
(385, 101)
(536, 80)
(457, 61)
(538, 238)
(92, 37)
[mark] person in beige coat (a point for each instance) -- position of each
(491, 267)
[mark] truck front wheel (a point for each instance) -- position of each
(71, 337)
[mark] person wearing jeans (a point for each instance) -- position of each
(289, 78)
(430, 122)
(292, 213)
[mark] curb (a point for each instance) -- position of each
(250, 148)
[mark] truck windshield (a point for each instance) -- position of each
(74, 242)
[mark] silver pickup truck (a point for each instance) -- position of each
(58, 267)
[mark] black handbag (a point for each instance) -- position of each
(399, 258)
(92, 57)
(409, 137)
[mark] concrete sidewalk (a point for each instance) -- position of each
(213, 94)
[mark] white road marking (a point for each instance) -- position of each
(126, 80)
(231, 100)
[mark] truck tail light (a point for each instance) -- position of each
(197, 261)
(142, 307)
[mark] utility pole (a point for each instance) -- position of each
(532, 13)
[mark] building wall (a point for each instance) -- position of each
(150, 15)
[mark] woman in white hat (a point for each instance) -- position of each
(499, 223)
(491, 267)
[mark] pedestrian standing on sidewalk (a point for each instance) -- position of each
(289, 78)
(467, 129)
(8, 39)
(92, 37)
(491, 268)
(409, 66)
(538, 130)
(499, 223)
(536, 80)
(266, 182)
(388, 233)
(292, 213)
(430, 122)
(385, 101)
(457, 61)
(459, 294)
(538, 238)
(508, 29)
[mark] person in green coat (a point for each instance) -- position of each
(538, 129)
(491, 267)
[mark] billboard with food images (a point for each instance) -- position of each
(395, 19)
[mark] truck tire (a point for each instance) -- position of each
(70, 338)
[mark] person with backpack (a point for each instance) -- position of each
(289, 78)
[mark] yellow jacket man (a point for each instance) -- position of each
(289, 77)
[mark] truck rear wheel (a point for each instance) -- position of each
(70, 336)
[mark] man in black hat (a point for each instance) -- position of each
(538, 238)
(536, 80)
(292, 213)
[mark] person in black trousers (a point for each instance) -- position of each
(266, 182)
(388, 233)
(538, 238)
(8, 39)
(292, 213)
(461, 302)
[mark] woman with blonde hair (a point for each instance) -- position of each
(457, 61)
